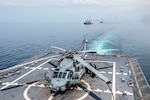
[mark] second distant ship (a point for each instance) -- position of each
(88, 22)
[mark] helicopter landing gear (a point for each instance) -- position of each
(75, 86)
(51, 91)
(68, 85)
(54, 93)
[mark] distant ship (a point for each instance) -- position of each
(101, 22)
(88, 22)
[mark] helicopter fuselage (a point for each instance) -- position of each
(68, 73)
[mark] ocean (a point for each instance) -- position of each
(21, 41)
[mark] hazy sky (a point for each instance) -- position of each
(74, 10)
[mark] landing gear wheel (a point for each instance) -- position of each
(68, 85)
(55, 93)
(51, 91)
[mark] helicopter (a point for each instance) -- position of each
(71, 69)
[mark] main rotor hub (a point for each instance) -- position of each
(70, 54)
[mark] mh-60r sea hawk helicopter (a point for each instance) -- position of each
(70, 70)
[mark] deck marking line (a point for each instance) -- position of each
(114, 81)
(51, 97)
(25, 74)
(113, 76)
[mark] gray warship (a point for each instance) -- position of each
(113, 77)
(87, 22)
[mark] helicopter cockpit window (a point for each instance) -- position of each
(70, 74)
(55, 74)
(64, 75)
(60, 75)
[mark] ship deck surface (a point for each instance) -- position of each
(115, 67)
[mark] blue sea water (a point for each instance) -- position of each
(21, 41)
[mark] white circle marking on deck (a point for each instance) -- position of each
(86, 94)
(51, 97)
(25, 93)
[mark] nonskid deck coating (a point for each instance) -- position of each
(91, 88)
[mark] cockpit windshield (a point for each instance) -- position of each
(55, 74)
(63, 75)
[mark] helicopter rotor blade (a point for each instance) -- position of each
(52, 64)
(95, 51)
(89, 51)
(101, 76)
(34, 61)
(104, 67)
(12, 87)
(18, 85)
(58, 48)
(110, 49)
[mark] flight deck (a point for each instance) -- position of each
(28, 81)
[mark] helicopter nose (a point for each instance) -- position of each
(58, 85)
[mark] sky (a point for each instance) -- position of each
(16, 11)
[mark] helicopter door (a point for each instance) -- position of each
(70, 73)
(80, 70)
(75, 78)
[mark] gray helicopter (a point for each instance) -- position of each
(71, 69)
